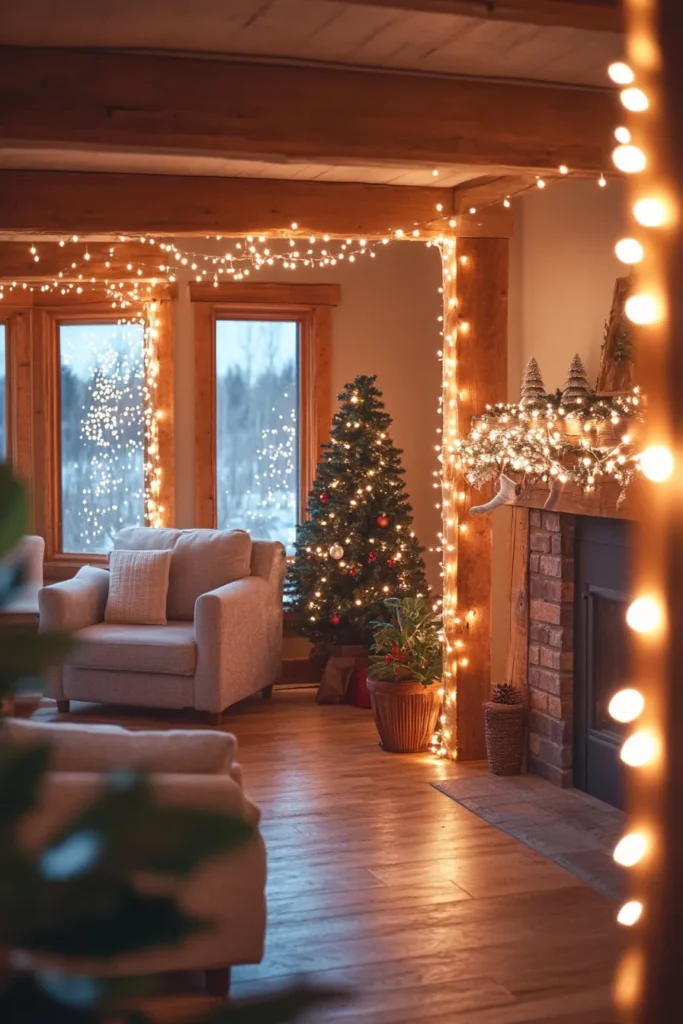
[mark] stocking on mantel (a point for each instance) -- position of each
(555, 494)
(507, 495)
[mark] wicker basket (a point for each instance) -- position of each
(405, 714)
(505, 733)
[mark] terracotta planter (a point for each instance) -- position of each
(405, 714)
(505, 728)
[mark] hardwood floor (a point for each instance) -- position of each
(381, 884)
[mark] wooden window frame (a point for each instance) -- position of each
(311, 307)
(17, 322)
(45, 421)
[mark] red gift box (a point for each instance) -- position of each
(358, 694)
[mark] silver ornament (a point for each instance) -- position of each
(336, 551)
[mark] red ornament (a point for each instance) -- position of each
(335, 619)
(390, 563)
(324, 498)
(372, 557)
(382, 520)
(388, 658)
(352, 572)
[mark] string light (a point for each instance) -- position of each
(644, 615)
(629, 159)
(629, 250)
(639, 749)
(634, 100)
(630, 913)
(630, 850)
(657, 463)
(642, 309)
(626, 705)
(650, 212)
(620, 73)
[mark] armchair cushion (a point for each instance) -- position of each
(98, 748)
(121, 648)
(138, 587)
(203, 560)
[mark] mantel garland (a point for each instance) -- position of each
(582, 444)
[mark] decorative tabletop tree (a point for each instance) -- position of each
(356, 547)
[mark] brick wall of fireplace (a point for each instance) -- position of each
(551, 645)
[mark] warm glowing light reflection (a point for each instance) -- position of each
(651, 213)
(642, 309)
(630, 913)
(629, 159)
(634, 100)
(620, 73)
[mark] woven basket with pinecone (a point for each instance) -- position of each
(504, 722)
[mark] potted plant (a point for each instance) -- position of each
(505, 721)
(404, 677)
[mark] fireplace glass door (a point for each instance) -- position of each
(602, 654)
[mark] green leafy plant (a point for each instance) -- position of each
(409, 645)
(76, 896)
(506, 693)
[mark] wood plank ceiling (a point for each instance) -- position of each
(326, 31)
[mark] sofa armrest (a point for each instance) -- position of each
(76, 603)
(64, 795)
(238, 630)
(268, 561)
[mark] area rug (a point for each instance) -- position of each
(568, 827)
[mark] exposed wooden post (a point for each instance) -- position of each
(475, 283)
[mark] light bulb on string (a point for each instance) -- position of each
(620, 73)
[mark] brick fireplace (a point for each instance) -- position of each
(551, 645)
(577, 647)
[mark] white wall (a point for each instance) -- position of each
(562, 274)
(386, 324)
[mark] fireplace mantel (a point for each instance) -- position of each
(601, 502)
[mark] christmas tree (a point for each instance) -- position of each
(533, 388)
(356, 546)
(576, 387)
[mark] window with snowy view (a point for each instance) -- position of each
(102, 432)
(256, 427)
(3, 395)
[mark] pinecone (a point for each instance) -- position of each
(506, 693)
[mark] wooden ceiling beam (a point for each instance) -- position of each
(591, 15)
(157, 103)
(62, 203)
(68, 202)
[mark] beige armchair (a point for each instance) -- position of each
(222, 641)
(196, 767)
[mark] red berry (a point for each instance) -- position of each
(372, 557)
(388, 658)
(390, 563)
(324, 498)
(335, 620)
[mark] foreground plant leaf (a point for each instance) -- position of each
(14, 505)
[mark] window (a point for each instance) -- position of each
(101, 419)
(257, 385)
(262, 402)
(3, 393)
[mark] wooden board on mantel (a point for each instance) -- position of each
(601, 502)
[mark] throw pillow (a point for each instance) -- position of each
(138, 586)
(203, 560)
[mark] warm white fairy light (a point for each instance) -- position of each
(630, 913)
(650, 212)
(645, 614)
(630, 159)
(634, 99)
(639, 749)
(626, 705)
(622, 134)
(154, 510)
(629, 250)
(657, 463)
(620, 73)
(630, 849)
(642, 309)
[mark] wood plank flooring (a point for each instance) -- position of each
(381, 884)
